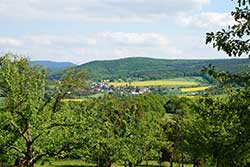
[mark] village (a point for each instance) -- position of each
(105, 87)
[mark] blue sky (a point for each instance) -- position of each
(84, 30)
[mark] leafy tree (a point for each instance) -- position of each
(102, 135)
(34, 123)
(126, 129)
(143, 135)
(176, 110)
(234, 41)
(219, 130)
(221, 124)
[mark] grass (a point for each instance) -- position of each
(73, 100)
(97, 95)
(65, 163)
(84, 98)
(195, 89)
(169, 82)
(79, 163)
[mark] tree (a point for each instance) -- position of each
(104, 120)
(219, 130)
(234, 41)
(222, 124)
(120, 128)
(176, 110)
(142, 135)
(34, 122)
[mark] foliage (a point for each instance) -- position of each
(222, 124)
(178, 111)
(127, 129)
(234, 41)
(222, 129)
(34, 123)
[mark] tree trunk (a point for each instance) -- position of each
(182, 160)
(24, 163)
(198, 163)
(103, 163)
(146, 159)
(218, 163)
(130, 164)
(171, 159)
(28, 160)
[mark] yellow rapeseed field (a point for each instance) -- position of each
(201, 88)
(155, 83)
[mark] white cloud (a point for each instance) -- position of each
(96, 10)
(102, 39)
(102, 45)
(109, 45)
(206, 19)
(7, 41)
(54, 40)
(128, 39)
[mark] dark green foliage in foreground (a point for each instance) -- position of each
(152, 69)
(127, 129)
(33, 122)
(234, 41)
(222, 124)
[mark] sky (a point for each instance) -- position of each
(81, 31)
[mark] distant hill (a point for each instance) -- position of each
(55, 69)
(51, 64)
(151, 69)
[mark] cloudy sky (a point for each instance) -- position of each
(84, 30)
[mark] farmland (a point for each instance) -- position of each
(156, 83)
(168, 87)
(171, 86)
(194, 89)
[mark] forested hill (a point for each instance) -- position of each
(148, 68)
